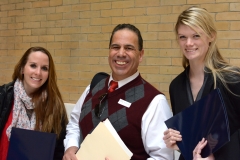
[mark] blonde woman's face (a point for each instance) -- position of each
(35, 72)
(193, 44)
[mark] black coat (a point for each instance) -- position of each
(6, 100)
(180, 100)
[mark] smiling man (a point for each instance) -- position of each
(135, 108)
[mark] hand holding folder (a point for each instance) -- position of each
(103, 142)
(205, 118)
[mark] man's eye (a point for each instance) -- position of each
(129, 48)
(115, 47)
(33, 66)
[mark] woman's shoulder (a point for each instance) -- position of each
(232, 77)
(181, 78)
(5, 88)
(234, 87)
(7, 85)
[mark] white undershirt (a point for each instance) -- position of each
(153, 124)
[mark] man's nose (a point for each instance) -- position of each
(122, 52)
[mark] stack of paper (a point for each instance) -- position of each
(103, 142)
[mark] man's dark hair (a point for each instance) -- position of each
(131, 28)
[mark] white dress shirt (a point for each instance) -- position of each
(153, 124)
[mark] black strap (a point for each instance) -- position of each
(97, 78)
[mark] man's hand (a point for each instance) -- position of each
(70, 153)
(170, 138)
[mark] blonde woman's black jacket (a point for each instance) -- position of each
(180, 100)
(6, 100)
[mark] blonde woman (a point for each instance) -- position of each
(205, 70)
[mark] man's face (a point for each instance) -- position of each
(124, 55)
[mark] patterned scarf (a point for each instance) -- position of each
(21, 103)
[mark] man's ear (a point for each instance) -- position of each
(141, 55)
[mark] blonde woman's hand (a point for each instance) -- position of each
(198, 149)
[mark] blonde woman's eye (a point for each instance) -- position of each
(196, 36)
(182, 37)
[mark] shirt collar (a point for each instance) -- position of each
(124, 81)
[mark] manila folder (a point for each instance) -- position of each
(103, 142)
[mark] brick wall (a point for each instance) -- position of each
(77, 32)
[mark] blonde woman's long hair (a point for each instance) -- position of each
(196, 17)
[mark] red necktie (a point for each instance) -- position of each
(113, 86)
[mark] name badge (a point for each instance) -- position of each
(124, 103)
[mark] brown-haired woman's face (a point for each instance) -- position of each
(35, 72)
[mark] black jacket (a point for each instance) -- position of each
(6, 100)
(180, 100)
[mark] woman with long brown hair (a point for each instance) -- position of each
(32, 100)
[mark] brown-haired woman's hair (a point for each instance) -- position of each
(196, 17)
(49, 107)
